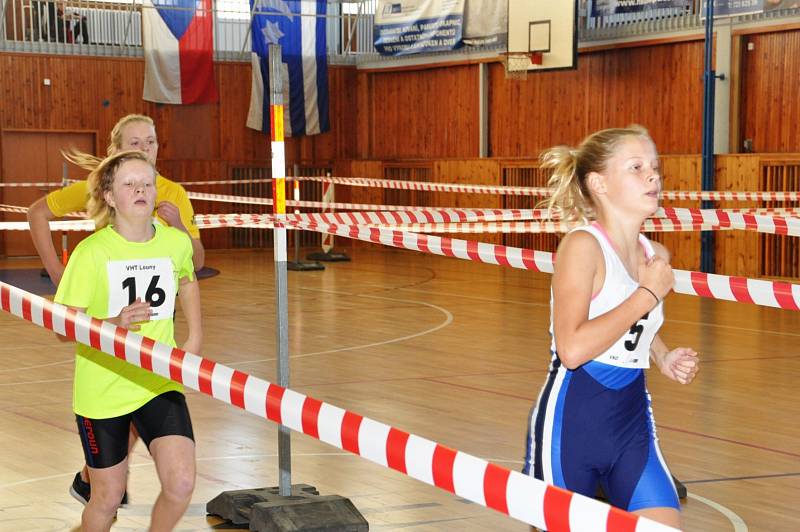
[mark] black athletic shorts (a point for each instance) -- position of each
(105, 441)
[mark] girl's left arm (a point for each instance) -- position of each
(189, 295)
(681, 364)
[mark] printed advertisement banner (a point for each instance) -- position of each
(485, 22)
(732, 8)
(405, 27)
(604, 8)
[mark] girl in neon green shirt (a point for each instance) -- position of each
(128, 273)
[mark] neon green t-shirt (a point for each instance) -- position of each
(104, 274)
(73, 198)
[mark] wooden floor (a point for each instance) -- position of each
(452, 351)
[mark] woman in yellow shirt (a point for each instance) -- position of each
(132, 132)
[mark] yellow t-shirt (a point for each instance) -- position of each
(73, 198)
(104, 274)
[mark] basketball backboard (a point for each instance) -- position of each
(545, 31)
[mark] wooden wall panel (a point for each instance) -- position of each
(94, 92)
(659, 87)
(737, 251)
(681, 173)
(770, 98)
(469, 172)
(430, 113)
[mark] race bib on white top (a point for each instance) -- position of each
(150, 280)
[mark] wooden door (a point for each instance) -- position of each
(35, 157)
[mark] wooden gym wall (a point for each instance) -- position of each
(382, 118)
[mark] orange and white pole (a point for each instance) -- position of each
(279, 246)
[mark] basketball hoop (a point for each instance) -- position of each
(519, 63)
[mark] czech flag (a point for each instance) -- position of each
(178, 51)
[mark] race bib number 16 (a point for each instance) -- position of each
(149, 280)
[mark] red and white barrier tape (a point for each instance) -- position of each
(536, 227)
(430, 186)
(227, 182)
(763, 224)
(712, 195)
(60, 225)
(457, 221)
(383, 218)
(249, 200)
(730, 195)
(514, 494)
(24, 210)
(13, 208)
(30, 185)
(741, 289)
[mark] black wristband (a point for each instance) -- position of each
(651, 293)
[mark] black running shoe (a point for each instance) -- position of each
(82, 491)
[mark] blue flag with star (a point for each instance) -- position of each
(299, 27)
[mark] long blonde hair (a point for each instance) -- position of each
(88, 161)
(115, 140)
(100, 181)
(570, 199)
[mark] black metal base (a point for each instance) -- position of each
(328, 257)
(305, 510)
(300, 266)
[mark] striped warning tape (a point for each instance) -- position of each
(471, 221)
(477, 480)
(778, 225)
(58, 184)
(759, 292)
(24, 210)
(430, 186)
(59, 225)
(387, 217)
(13, 208)
(534, 227)
(249, 200)
(444, 220)
(228, 182)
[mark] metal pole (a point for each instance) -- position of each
(709, 79)
(64, 240)
(279, 242)
(296, 188)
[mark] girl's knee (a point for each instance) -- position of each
(107, 500)
(179, 486)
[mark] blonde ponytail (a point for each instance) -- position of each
(570, 198)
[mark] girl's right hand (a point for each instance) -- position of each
(131, 316)
(656, 274)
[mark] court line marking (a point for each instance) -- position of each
(738, 523)
(24, 368)
(666, 320)
(750, 477)
(448, 320)
(663, 427)
(35, 382)
(150, 463)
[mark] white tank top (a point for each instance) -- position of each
(632, 350)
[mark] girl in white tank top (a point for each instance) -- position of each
(607, 291)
